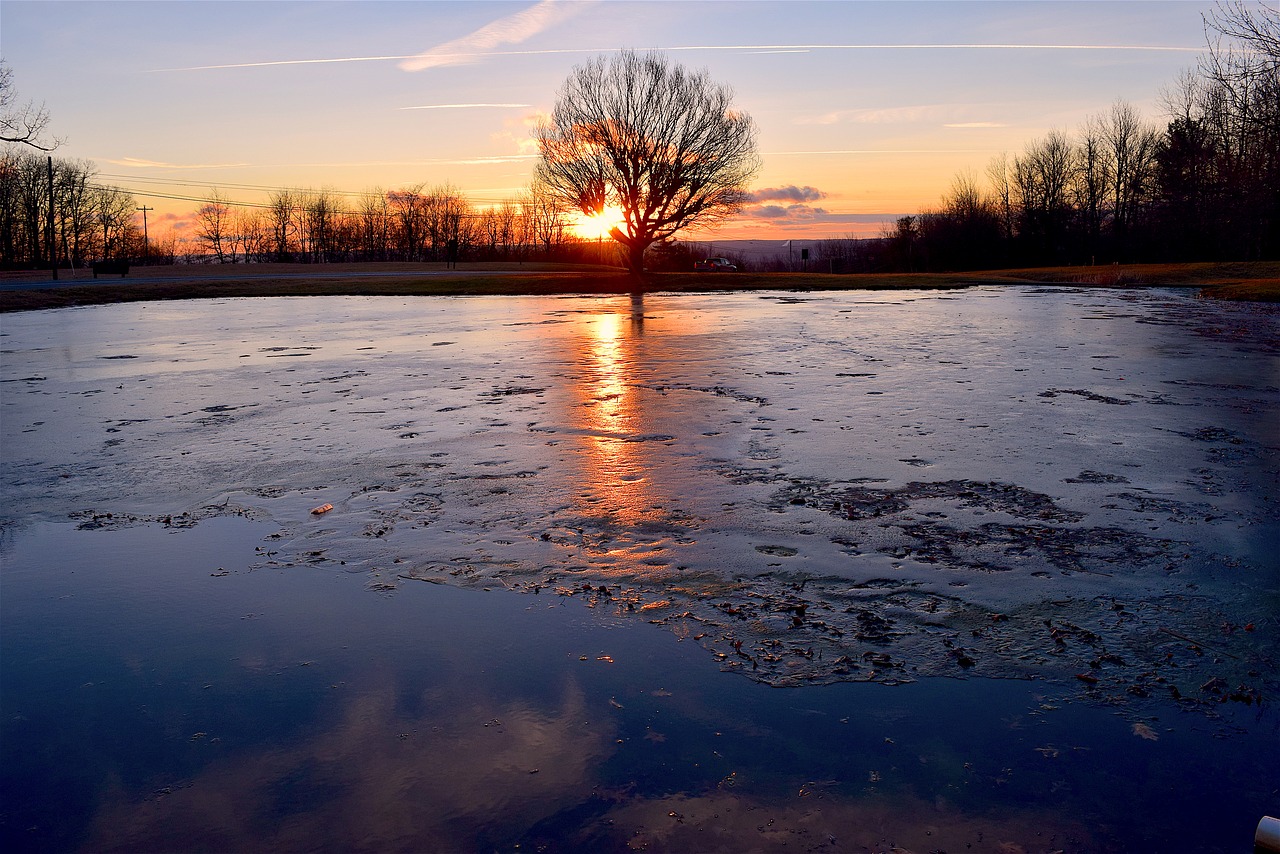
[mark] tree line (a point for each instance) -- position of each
(1206, 186)
(419, 223)
(94, 221)
(90, 221)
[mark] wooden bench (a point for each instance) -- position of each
(120, 268)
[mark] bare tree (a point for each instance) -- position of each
(523, 233)
(544, 223)
(508, 217)
(998, 173)
(320, 214)
(448, 220)
(24, 208)
(1256, 26)
(1240, 109)
(115, 209)
(214, 218)
(1243, 61)
(1042, 177)
(74, 207)
(408, 208)
(661, 143)
(252, 234)
(374, 217)
(22, 122)
(1181, 99)
(489, 230)
(1131, 148)
(30, 186)
(282, 218)
(1092, 184)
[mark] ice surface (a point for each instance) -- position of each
(1074, 485)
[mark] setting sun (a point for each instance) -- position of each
(597, 226)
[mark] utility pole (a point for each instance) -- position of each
(53, 243)
(146, 244)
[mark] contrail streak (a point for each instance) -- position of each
(798, 48)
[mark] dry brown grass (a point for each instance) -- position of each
(1255, 280)
(1239, 281)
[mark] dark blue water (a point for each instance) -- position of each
(161, 693)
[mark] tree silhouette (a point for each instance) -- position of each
(662, 144)
(24, 123)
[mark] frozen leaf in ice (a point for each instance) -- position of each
(1143, 731)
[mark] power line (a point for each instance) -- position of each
(175, 197)
(231, 203)
(265, 188)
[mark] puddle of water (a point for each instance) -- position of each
(1072, 490)
(167, 690)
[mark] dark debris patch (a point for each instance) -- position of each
(512, 391)
(1086, 394)
(1139, 501)
(993, 547)
(718, 390)
(92, 520)
(856, 501)
(1088, 476)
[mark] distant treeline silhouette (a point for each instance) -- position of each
(96, 221)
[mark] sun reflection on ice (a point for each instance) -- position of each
(628, 504)
(615, 465)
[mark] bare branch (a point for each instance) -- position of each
(22, 123)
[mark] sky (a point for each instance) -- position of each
(865, 110)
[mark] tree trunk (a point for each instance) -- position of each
(633, 254)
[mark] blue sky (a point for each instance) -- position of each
(865, 110)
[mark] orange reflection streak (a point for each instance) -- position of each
(618, 455)
(613, 468)
(628, 478)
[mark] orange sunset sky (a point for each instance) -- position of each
(865, 110)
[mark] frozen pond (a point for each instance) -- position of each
(1067, 499)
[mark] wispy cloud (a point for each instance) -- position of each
(269, 63)
(966, 46)
(465, 50)
(138, 163)
(975, 125)
(513, 29)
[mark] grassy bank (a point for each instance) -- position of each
(1240, 281)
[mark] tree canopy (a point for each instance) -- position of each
(662, 144)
